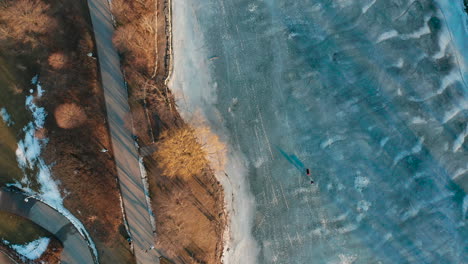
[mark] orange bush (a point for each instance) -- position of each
(69, 115)
(57, 60)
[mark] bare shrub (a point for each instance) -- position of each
(57, 60)
(137, 42)
(69, 115)
(23, 20)
(180, 154)
(136, 35)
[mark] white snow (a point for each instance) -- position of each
(458, 143)
(460, 172)
(6, 117)
(384, 141)
(367, 6)
(28, 157)
(418, 120)
(387, 35)
(400, 63)
(330, 141)
(35, 79)
(32, 250)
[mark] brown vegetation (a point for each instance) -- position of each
(190, 219)
(69, 115)
(22, 20)
(87, 177)
(186, 152)
(180, 154)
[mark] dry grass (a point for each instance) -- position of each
(180, 154)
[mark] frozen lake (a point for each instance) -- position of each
(371, 95)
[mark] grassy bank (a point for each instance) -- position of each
(188, 204)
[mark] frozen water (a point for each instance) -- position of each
(370, 95)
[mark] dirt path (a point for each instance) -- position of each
(75, 248)
(124, 151)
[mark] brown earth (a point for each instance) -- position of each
(86, 175)
(189, 212)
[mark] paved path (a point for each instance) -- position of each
(125, 153)
(75, 248)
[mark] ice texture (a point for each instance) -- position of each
(370, 95)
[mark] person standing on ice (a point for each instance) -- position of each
(308, 174)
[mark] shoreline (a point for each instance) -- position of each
(239, 205)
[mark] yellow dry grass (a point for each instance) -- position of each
(179, 154)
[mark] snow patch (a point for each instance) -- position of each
(6, 117)
(367, 6)
(459, 172)
(384, 141)
(35, 79)
(458, 143)
(400, 63)
(418, 120)
(331, 141)
(387, 35)
(32, 250)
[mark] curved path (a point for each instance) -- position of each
(125, 154)
(75, 247)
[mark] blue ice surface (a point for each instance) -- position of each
(373, 95)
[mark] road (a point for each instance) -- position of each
(125, 153)
(75, 248)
